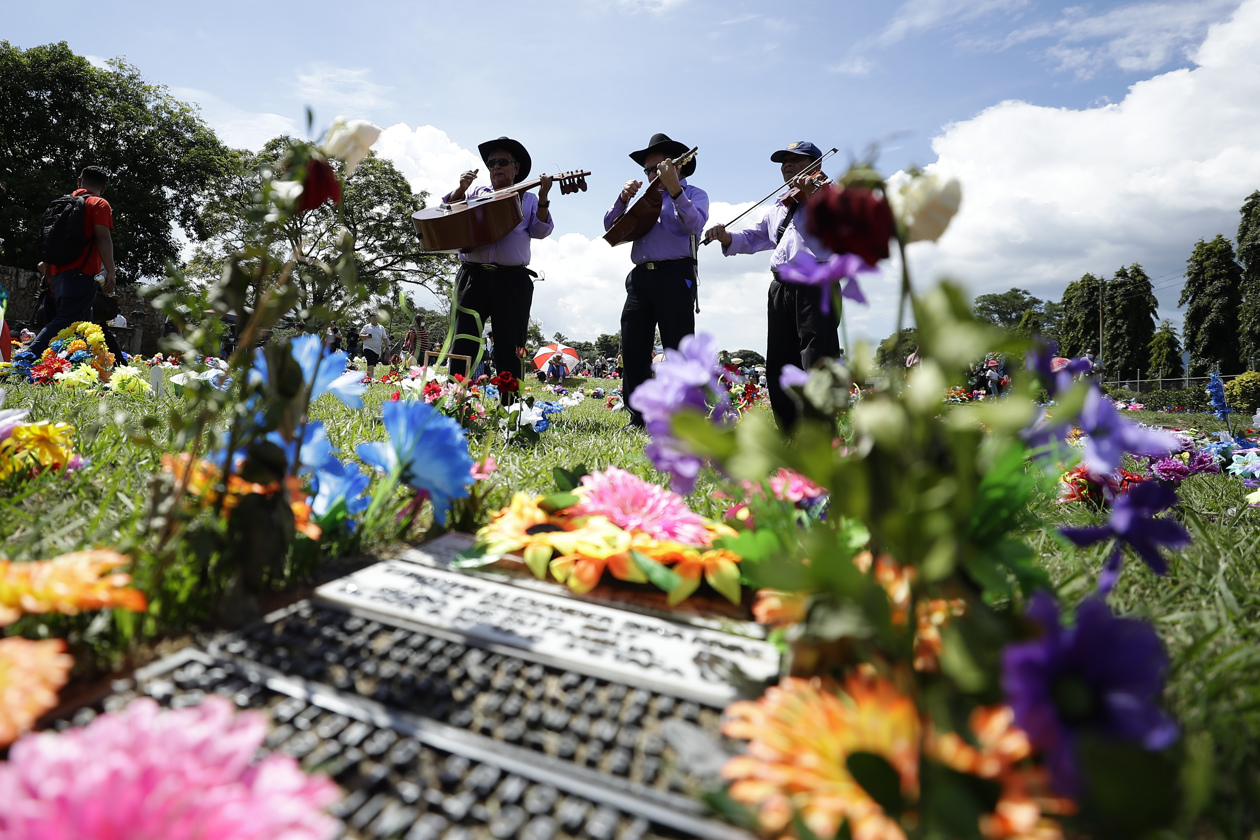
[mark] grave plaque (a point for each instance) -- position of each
(695, 662)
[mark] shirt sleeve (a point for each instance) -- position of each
(751, 239)
(614, 212)
(537, 228)
(691, 208)
(99, 212)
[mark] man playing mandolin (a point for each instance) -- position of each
(661, 290)
(495, 280)
(797, 333)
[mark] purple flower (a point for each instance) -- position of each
(1111, 436)
(1133, 522)
(825, 274)
(688, 378)
(1040, 360)
(1170, 469)
(791, 376)
(1203, 461)
(1102, 675)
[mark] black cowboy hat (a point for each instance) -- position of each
(514, 148)
(670, 148)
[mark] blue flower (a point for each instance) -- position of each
(1133, 523)
(80, 356)
(430, 448)
(316, 452)
(57, 345)
(491, 392)
(1216, 390)
(325, 374)
(1102, 675)
(335, 482)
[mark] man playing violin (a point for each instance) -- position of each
(661, 290)
(495, 280)
(798, 333)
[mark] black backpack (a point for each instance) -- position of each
(61, 239)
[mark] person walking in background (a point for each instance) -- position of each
(373, 338)
(75, 246)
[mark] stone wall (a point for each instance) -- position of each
(144, 323)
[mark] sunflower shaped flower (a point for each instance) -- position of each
(801, 734)
(590, 545)
(66, 584)
(718, 566)
(31, 673)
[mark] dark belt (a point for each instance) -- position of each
(653, 266)
(497, 267)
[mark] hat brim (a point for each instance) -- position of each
(512, 146)
(782, 154)
(669, 148)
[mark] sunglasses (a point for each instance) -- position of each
(503, 162)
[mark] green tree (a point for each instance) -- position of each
(1005, 309)
(1249, 259)
(1129, 322)
(608, 345)
(376, 203)
(895, 349)
(750, 357)
(1029, 324)
(1165, 349)
(1052, 320)
(1079, 330)
(534, 335)
(1212, 297)
(61, 114)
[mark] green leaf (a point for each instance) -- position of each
(474, 558)
(557, 502)
(878, 778)
(661, 576)
(536, 558)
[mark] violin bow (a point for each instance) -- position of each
(806, 171)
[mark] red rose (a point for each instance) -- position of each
(852, 220)
(396, 396)
(506, 381)
(320, 185)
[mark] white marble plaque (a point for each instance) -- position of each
(641, 650)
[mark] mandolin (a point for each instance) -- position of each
(640, 216)
(484, 220)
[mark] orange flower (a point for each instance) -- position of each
(931, 617)
(30, 675)
(893, 577)
(1002, 749)
(718, 566)
(301, 510)
(779, 609)
(586, 547)
(66, 584)
(801, 734)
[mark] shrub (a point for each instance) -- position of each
(1243, 392)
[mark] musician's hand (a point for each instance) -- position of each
(630, 190)
(806, 183)
(544, 186)
(465, 180)
(669, 176)
(719, 233)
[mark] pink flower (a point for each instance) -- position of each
(789, 486)
(481, 470)
(633, 504)
(187, 774)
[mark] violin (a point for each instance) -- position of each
(484, 220)
(794, 195)
(639, 217)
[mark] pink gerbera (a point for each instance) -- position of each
(188, 774)
(793, 487)
(633, 504)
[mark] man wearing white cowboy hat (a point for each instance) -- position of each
(661, 290)
(495, 280)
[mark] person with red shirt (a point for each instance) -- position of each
(74, 284)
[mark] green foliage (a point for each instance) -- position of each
(1006, 309)
(1249, 259)
(1165, 350)
(894, 350)
(608, 346)
(1243, 392)
(1129, 325)
(1212, 297)
(1029, 324)
(61, 114)
(750, 357)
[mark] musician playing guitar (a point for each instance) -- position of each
(661, 289)
(797, 333)
(495, 280)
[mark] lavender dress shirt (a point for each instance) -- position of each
(797, 245)
(670, 237)
(512, 249)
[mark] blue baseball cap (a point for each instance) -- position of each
(800, 147)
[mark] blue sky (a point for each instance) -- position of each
(1086, 137)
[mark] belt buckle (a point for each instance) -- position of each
(488, 266)
(650, 266)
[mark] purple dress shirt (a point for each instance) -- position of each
(670, 237)
(512, 249)
(797, 245)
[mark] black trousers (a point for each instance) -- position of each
(662, 296)
(798, 333)
(500, 294)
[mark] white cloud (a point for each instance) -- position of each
(856, 66)
(915, 16)
(235, 126)
(648, 5)
(1052, 193)
(340, 90)
(1138, 37)
(429, 159)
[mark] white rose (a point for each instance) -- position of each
(924, 206)
(350, 141)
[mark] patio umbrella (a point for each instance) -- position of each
(1058, 363)
(567, 355)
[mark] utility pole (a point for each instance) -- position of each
(1102, 291)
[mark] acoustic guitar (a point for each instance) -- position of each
(640, 216)
(484, 220)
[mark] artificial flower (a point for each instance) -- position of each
(427, 448)
(337, 482)
(825, 275)
(1170, 469)
(350, 140)
(590, 545)
(320, 185)
(852, 220)
(1133, 523)
(779, 609)
(67, 584)
(924, 205)
(1109, 436)
(183, 774)
(31, 674)
(1101, 675)
(633, 504)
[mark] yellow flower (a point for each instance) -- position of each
(77, 345)
(47, 444)
(719, 567)
(801, 734)
(30, 675)
(779, 609)
(586, 547)
(931, 616)
(66, 584)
